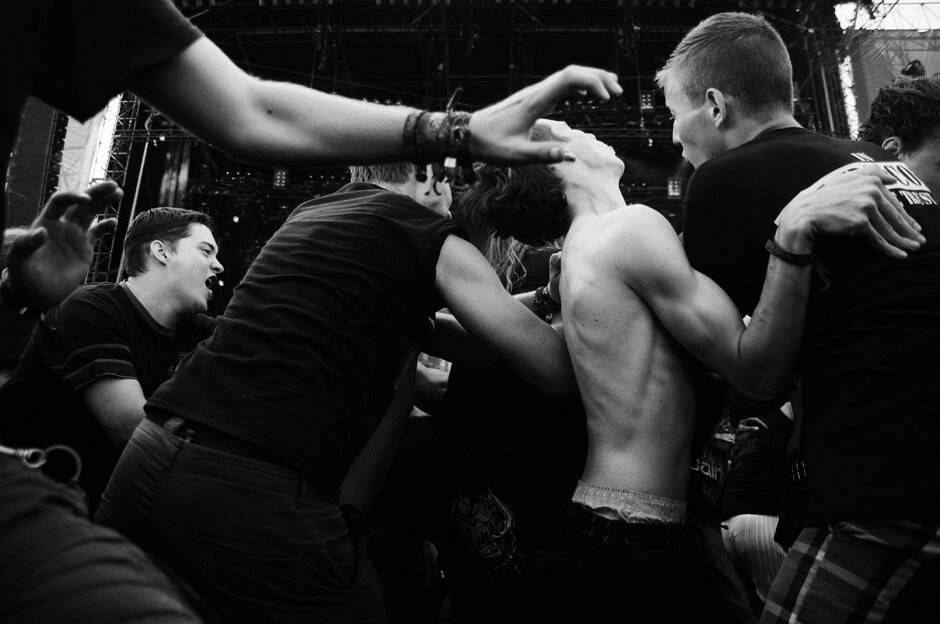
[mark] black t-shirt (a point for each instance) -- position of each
(77, 54)
(304, 361)
(100, 331)
(872, 344)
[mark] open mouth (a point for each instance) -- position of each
(211, 281)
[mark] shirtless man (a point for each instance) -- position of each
(634, 311)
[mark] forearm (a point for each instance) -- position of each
(296, 126)
(274, 123)
(451, 342)
(769, 346)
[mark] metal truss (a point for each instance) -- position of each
(136, 125)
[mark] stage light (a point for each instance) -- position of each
(674, 188)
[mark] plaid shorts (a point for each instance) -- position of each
(870, 571)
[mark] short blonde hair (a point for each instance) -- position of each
(739, 54)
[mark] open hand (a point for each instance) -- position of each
(855, 202)
(501, 134)
(46, 264)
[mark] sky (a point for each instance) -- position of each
(891, 15)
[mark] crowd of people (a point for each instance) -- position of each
(296, 459)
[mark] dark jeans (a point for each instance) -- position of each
(477, 595)
(254, 539)
(626, 574)
(57, 566)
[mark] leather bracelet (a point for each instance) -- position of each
(786, 256)
(410, 132)
(441, 140)
(544, 305)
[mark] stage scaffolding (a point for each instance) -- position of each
(414, 53)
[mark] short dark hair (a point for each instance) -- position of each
(527, 202)
(393, 173)
(741, 55)
(908, 108)
(163, 224)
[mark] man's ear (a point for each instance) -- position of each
(893, 144)
(159, 251)
(717, 106)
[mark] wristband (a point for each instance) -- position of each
(544, 305)
(441, 140)
(786, 256)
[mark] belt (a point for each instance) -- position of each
(629, 534)
(209, 437)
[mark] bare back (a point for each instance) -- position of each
(634, 378)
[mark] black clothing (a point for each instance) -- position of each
(305, 357)
(256, 540)
(510, 457)
(58, 566)
(617, 572)
(759, 475)
(302, 366)
(872, 342)
(100, 331)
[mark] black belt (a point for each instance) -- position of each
(629, 534)
(212, 438)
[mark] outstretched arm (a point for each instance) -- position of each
(758, 360)
(497, 322)
(291, 125)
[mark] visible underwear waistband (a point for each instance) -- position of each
(629, 506)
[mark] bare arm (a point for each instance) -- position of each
(282, 123)
(491, 316)
(117, 405)
(758, 360)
